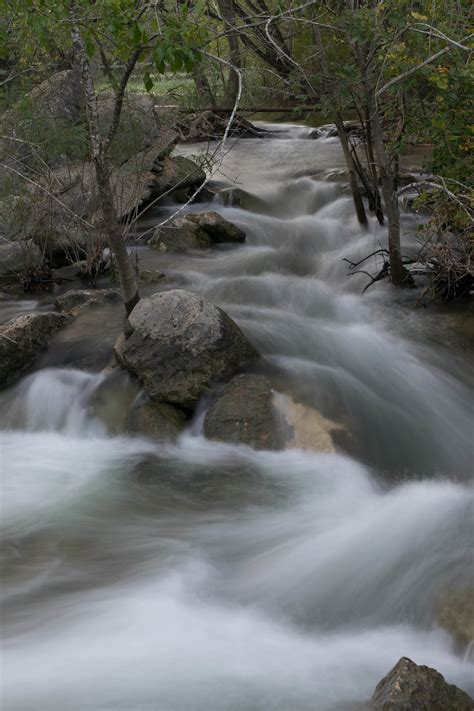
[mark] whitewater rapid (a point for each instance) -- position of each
(189, 576)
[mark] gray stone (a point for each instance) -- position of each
(179, 236)
(177, 173)
(180, 345)
(60, 96)
(22, 339)
(218, 228)
(243, 413)
(155, 419)
(17, 257)
(76, 298)
(410, 687)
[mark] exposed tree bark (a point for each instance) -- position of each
(203, 86)
(342, 133)
(399, 274)
(232, 85)
(102, 165)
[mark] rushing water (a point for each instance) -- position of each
(199, 576)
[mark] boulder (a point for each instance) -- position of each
(181, 344)
(177, 173)
(455, 613)
(22, 339)
(195, 231)
(141, 126)
(243, 413)
(18, 257)
(75, 299)
(60, 96)
(180, 235)
(66, 220)
(218, 228)
(155, 419)
(151, 276)
(410, 687)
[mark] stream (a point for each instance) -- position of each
(200, 576)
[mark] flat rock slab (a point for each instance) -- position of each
(410, 687)
(180, 345)
(77, 298)
(22, 339)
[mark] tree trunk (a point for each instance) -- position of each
(400, 275)
(353, 182)
(342, 133)
(203, 86)
(231, 90)
(103, 167)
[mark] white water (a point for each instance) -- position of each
(142, 577)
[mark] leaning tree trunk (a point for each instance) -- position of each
(231, 90)
(400, 275)
(353, 182)
(102, 165)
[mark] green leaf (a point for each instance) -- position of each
(148, 81)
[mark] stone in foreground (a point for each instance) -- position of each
(410, 687)
(180, 345)
(22, 339)
(243, 413)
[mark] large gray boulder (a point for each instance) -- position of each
(60, 96)
(22, 339)
(410, 687)
(180, 345)
(195, 231)
(180, 235)
(18, 257)
(243, 413)
(217, 227)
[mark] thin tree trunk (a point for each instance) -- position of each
(400, 275)
(231, 89)
(203, 86)
(351, 168)
(342, 133)
(103, 168)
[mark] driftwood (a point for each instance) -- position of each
(210, 126)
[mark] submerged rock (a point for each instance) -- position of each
(243, 413)
(180, 345)
(410, 687)
(22, 339)
(455, 612)
(75, 299)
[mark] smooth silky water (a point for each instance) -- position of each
(200, 576)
